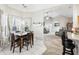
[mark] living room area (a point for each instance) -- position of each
(57, 21)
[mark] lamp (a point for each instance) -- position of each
(74, 29)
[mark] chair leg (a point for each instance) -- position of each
(20, 49)
(13, 47)
(72, 53)
(31, 43)
(63, 51)
(10, 48)
(27, 47)
(26, 44)
(32, 40)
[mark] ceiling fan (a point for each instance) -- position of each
(47, 17)
(24, 6)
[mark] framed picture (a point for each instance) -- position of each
(56, 24)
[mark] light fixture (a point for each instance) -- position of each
(74, 29)
(47, 17)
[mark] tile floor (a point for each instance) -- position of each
(53, 44)
(37, 49)
(49, 45)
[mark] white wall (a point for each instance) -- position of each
(57, 16)
(37, 28)
(62, 20)
(75, 14)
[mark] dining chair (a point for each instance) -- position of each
(68, 45)
(14, 42)
(28, 40)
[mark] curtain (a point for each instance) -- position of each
(0, 29)
(5, 30)
(7, 22)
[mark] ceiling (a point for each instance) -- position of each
(53, 9)
(31, 7)
(64, 10)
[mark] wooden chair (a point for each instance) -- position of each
(28, 40)
(68, 45)
(14, 42)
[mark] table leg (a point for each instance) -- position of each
(32, 40)
(21, 44)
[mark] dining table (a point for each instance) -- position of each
(75, 38)
(21, 36)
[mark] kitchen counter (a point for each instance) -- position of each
(75, 38)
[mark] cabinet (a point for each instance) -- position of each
(78, 20)
(69, 26)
